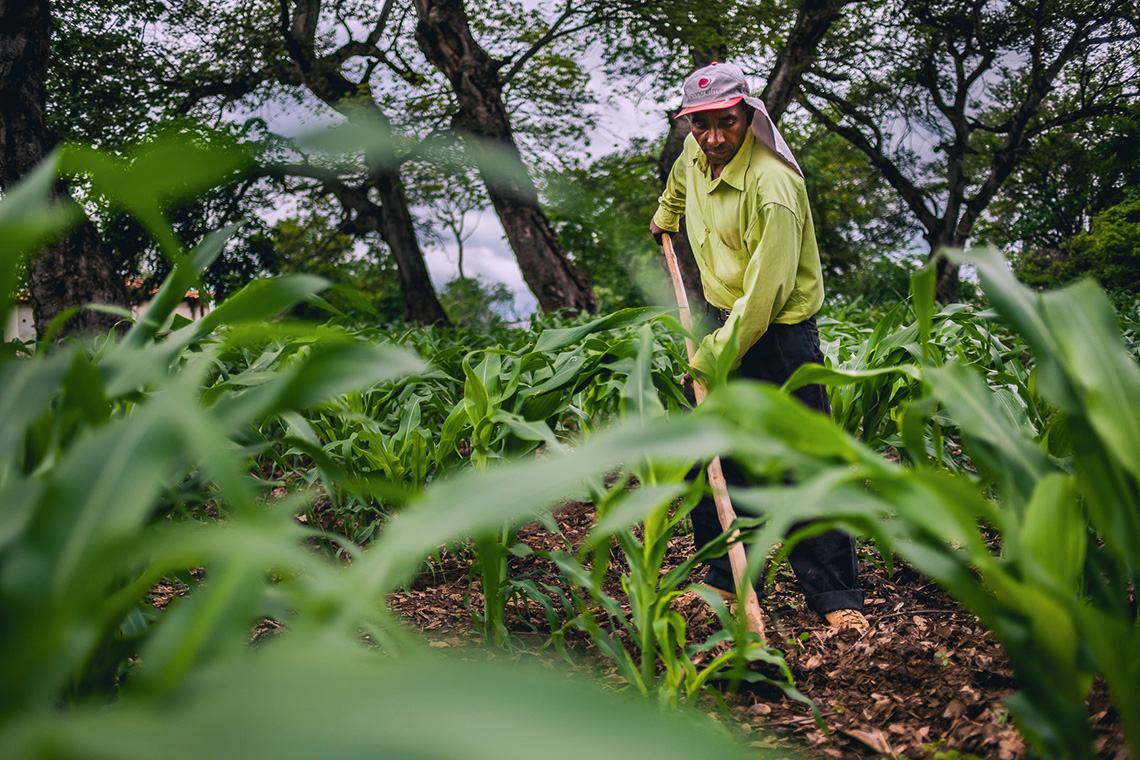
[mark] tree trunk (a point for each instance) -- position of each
(25, 43)
(813, 20)
(77, 269)
(392, 220)
(939, 239)
(946, 284)
(74, 271)
(398, 231)
(940, 236)
(445, 37)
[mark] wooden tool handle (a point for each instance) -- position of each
(724, 511)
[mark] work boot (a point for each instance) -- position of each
(847, 620)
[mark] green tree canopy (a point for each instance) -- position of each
(945, 98)
(1058, 190)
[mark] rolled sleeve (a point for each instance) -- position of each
(671, 204)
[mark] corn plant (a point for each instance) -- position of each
(873, 369)
(649, 646)
(659, 660)
(1128, 309)
(102, 448)
(1060, 594)
(482, 407)
(126, 462)
(488, 403)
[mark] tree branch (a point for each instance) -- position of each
(381, 22)
(369, 49)
(365, 214)
(814, 19)
(293, 46)
(229, 90)
(911, 195)
(551, 34)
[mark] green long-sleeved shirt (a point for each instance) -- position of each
(752, 235)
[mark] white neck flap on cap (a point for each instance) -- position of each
(731, 83)
(765, 130)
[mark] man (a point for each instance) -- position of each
(750, 227)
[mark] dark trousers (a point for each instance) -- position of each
(824, 565)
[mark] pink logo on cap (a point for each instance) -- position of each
(703, 83)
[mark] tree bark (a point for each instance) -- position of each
(392, 219)
(25, 43)
(397, 229)
(77, 269)
(813, 20)
(444, 36)
(947, 281)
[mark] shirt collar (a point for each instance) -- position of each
(734, 172)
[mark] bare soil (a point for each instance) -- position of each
(927, 680)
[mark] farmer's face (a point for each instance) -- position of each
(720, 132)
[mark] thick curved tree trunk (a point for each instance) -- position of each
(940, 236)
(72, 272)
(947, 279)
(25, 43)
(813, 20)
(445, 37)
(398, 230)
(946, 286)
(76, 270)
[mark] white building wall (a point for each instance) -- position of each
(22, 326)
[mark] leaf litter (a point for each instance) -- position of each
(925, 680)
